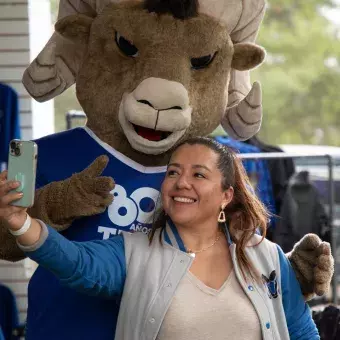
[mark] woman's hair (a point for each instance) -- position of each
(244, 214)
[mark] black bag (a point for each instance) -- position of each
(328, 322)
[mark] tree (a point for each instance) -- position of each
(301, 76)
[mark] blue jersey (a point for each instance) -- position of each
(56, 312)
(9, 121)
(257, 170)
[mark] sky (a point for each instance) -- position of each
(333, 14)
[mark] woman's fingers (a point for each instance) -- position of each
(9, 198)
(11, 214)
(7, 186)
(3, 176)
(7, 210)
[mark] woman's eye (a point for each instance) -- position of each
(126, 46)
(202, 62)
(198, 175)
(172, 173)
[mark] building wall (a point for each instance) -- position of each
(16, 277)
(25, 26)
(15, 55)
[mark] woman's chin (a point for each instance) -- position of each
(181, 219)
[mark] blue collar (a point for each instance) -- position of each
(172, 237)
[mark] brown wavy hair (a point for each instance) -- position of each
(245, 214)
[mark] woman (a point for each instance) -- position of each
(203, 273)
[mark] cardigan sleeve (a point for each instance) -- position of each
(298, 315)
(95, 268)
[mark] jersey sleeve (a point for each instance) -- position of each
(298, 315)
(96, 268)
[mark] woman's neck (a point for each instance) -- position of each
(200, 236)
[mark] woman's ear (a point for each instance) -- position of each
(228, 196)
(247, 56)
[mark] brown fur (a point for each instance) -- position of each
(245, 58)
(313, 265)
(164, 53)
(9, 250)
(75, 28)
(83, 194)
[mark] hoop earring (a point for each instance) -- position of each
(221, 216)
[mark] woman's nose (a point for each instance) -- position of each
(183, 183)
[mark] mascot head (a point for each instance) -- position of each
(153, 73)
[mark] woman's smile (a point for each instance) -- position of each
(183, 199)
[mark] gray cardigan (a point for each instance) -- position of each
(146, 304)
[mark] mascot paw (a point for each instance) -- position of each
(48, 75)
(313, 264)
(85, 193)
(90, 193)
(324, 269)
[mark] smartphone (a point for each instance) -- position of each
(22, 165)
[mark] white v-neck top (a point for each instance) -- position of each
(203, 313)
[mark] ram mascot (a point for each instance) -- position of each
(148, 74)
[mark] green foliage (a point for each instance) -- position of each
(54, 9)
(300, 78)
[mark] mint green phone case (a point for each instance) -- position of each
(22, 166)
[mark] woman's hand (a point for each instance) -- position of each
(13, 216)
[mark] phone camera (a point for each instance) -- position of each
(15, 148)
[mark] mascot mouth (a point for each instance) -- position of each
(138, 122)
(151, 134)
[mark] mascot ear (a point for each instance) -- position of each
(75, 28)
(247, 56)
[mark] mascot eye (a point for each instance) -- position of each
(202, 62)
(126, 46)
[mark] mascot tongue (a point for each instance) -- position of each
(149, 134)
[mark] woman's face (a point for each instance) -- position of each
(192, 189)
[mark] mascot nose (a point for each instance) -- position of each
(162, 94)
(143, 101)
